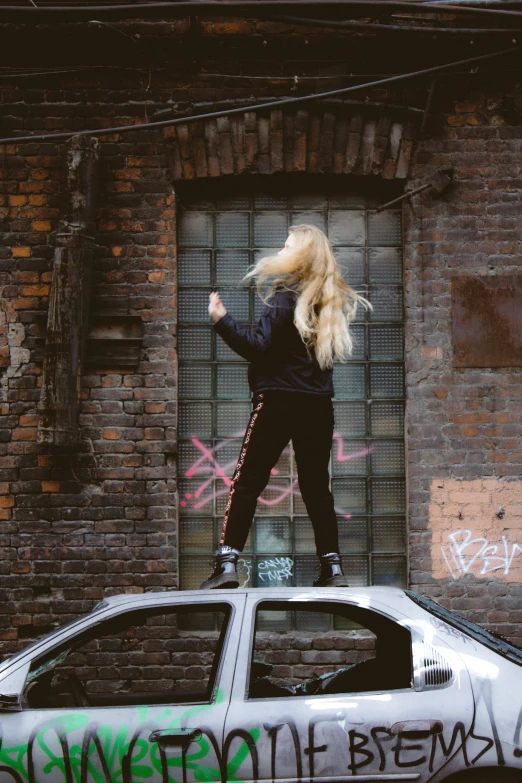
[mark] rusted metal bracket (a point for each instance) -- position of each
(71, 234)
(427, 108)
(114, 342)
(69, 300)
(439, 182)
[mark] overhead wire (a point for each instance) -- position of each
(6, 73)
(231, 7)
(472, 3)
(76, 69)
(370, 26)
(112, 27)
(262, 106)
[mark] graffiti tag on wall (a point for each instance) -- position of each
(477, 528)
(466, 554)
(208, 467)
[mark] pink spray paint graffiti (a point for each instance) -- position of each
(208, 467)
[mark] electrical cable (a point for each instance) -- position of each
(112, 27)
(6, 73)
(370, 26)
(233, 7)
(478, 3)
(77, 69)
(261, 106)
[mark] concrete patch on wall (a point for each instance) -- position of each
(477, 528)
(12, 356)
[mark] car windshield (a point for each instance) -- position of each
(494, 641)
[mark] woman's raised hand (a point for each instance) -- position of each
(216, 308)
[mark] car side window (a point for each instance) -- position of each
(159, 655)
(341, 649)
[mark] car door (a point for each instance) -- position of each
(403, 710)
(138, 694)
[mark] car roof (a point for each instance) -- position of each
(259, 592)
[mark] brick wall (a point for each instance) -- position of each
(75, 525)
(297, 657)
(102, 519)
(464, 424)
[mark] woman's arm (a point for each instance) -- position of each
(254, 347)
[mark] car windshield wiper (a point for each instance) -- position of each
(502, 638)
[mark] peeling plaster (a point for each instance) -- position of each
(18, 356)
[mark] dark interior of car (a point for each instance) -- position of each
(389, 668)
(112, 663)
(144, 658)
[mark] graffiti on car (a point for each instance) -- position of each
(449, 630)
(73, 749)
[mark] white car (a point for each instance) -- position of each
(280, 685)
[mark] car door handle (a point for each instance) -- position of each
(416, 729)
(175, 738)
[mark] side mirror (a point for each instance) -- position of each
(10, 702)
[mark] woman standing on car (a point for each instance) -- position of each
(304, 326)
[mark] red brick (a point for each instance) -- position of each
(29, 420)
(111, 434)
(36, 290)
(28, 303)
(17, 201)
(25, 433)
(50, 486)
(41, 225)
(21, 252)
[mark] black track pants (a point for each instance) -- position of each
(278, 417)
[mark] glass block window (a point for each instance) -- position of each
(220, 235)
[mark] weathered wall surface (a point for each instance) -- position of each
(103, 518)
(487, 544)
(464, 424)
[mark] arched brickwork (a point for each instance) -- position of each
(320, 142)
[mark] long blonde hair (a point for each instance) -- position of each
(325, 303)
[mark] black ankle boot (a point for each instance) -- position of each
(331, 574)
(224, 574)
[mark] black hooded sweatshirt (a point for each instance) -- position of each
(279, 360)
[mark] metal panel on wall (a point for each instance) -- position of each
(487, 320)
(219, 236)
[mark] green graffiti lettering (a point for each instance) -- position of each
(70, 744)
(15, 758)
